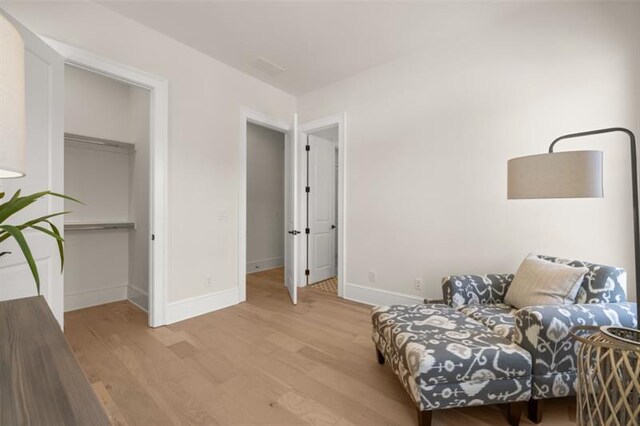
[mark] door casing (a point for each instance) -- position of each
(158, 162)
(249, 116)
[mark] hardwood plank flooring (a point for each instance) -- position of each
(263, 362)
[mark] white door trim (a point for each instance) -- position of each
(313, 126)
(159, 140)
(248, 116)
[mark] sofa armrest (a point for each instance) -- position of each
(544, 332)
(460, 290)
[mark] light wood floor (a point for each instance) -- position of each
(263, 362)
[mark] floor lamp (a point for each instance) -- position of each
(572, 174)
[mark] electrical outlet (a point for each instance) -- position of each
(373, 276)
(208, 283)
(418, 283)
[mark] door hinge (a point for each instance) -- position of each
(306, 272)
(307, 231)
(307, 147)
(307, 189)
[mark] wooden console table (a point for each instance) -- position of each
(41, 382)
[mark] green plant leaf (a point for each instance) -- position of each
(14, 205)
(24, 246)
(4, 235)
(60, 243)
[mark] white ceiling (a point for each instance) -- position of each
(317, 43)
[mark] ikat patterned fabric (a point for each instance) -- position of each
(501, 318)
(461, 290)
(601, 284)
(445, 359)
(544, 332)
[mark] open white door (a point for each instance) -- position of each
(44, 157)
(291, 225)
(322, 209)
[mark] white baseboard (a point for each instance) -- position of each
(200, 305)
(376, 296)
(265, 264)
(138, 297)
(88, 298)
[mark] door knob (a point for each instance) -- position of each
(294, 232)
(333, 227)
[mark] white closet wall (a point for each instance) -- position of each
(105, 265)
(138, 290)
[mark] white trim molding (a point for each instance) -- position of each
(94, 297)
(376, 296)
(264, 264)
(159, 140)
(200, 305)
(138, 297)
(339, 120)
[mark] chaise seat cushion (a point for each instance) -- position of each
(445, 359)
(501, 318)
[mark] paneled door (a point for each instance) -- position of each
(44, 156)
(322, 209)
(291, 226)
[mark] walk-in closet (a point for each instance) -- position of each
(107, 168)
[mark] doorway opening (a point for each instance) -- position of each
(265, 208)
(321, 206)
(107, 166)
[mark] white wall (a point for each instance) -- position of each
(205, 97)
(105, 266)
(429, 136)
(139, 125)
(265, 198)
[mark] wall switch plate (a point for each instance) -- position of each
(208, 283)
(373, 276)
(418, 283)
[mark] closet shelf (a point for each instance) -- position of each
(123, 146)
(98, 226)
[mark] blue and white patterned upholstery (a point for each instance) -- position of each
(601, 284)
(501, 318)
(445, 359)
(461, 290)
(544, 330)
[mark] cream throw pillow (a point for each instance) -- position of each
(540, 282)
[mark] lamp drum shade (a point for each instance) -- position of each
(12, 101)
(571, 174)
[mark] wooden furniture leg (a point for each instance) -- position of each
(379, 356)
(535, 410)
(424, 418)
(514, 411)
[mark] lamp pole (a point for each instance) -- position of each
(634, 186)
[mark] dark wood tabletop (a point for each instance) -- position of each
(41, 382)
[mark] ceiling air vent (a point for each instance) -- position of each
(267, 66)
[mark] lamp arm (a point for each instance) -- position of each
(634, 186)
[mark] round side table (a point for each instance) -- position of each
(608, 387)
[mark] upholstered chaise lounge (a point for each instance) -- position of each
(543, 331)
(444, 359)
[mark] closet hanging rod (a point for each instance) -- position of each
(98, 226)
(125, 146)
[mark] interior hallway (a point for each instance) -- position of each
(260, 362)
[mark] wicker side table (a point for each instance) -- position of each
(608, 376)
